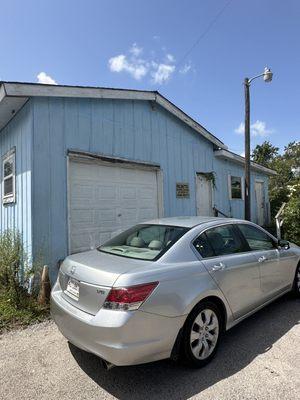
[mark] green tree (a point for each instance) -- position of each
(285, 186)
(263, 154)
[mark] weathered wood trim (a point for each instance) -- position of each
(17, 89)
(34, 89)
(77, 154)
(240, 160)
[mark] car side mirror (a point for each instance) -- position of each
(283, 244)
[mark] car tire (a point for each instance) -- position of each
(201, 335)
(296, 285)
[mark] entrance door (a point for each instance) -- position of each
(203, 195)
(260, 202)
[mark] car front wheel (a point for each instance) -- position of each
(201, 335)
(296, 286)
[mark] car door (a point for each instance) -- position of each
(233, 268)
(273, 275)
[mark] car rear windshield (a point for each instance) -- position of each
(145, 242)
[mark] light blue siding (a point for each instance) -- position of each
(127, 129)
(46, 128)
(18, 134)
(235, 207)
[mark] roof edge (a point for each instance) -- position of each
(224, 153)
(28, 89)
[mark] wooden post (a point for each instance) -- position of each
(247, 151)
(44, 294)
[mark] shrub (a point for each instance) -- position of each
(17, 307)
(12, 260)
(291, 215)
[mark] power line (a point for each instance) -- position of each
(205, 32)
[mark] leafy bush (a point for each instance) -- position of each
(291, 215)
(285, 186)
(12, 259)
(17, 307)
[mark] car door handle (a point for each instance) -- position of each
(262, 259)
(218, 267)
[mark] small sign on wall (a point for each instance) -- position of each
(182, 190)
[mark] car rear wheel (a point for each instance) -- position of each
(296, 286)
(201, 335)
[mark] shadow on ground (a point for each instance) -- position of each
(164, 379)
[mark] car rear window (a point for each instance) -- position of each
(145, 241)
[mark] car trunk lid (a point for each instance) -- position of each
(86, 278)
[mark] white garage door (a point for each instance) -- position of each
(107, 198)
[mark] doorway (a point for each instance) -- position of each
(204, 195)
(260, 202)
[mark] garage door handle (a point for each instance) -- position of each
(218, 267)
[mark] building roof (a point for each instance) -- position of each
(13, 95)
(229, 155)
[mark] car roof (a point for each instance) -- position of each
(189, 222)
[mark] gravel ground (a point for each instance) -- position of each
(259, 359)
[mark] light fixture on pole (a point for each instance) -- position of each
(267, 76)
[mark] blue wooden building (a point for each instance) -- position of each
(79, 163)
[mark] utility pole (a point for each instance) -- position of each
(268, 76)
(247, 186)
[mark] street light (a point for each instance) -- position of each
(267, 76)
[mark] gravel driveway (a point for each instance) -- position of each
(259, 359)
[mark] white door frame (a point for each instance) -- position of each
(92, 158)
(211, 189)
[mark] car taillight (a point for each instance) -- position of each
(129, 298)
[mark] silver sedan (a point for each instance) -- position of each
(170, 287)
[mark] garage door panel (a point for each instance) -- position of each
(83, 191)
(82, 216)
(146, 213)
(128, 193)
(105, 199)
(104, 215)
(106, 192)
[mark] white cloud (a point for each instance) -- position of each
(136, 68)
(242, 154)
(257, 129)
(42, 77)
(162, 73)
(135, 50)
(185, 69)
(170, 58)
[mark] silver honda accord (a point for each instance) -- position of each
(170, 287)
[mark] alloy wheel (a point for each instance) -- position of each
(204, 333)
(298, 280)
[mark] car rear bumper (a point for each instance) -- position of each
(122, 338)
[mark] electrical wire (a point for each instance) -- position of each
(205, 32)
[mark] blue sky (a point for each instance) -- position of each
(141, 44)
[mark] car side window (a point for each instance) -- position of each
(203, 246)
(219, 241)
(256, 239)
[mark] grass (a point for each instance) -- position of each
(27, 313)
